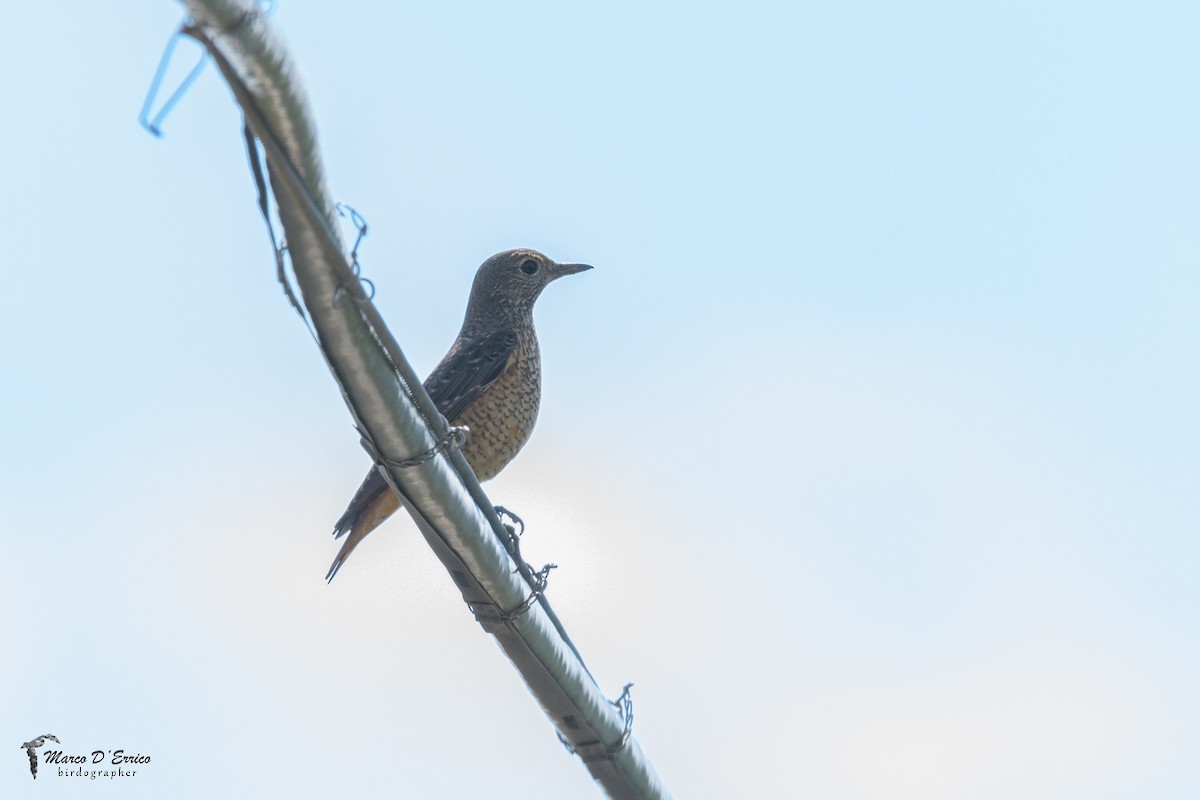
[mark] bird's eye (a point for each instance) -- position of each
(529, 266)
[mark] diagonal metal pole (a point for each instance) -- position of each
(398, 422)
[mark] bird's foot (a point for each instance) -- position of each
(504, 514)
(515, 529)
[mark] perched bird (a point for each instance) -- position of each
(490, 381)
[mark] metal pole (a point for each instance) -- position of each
(395, 416)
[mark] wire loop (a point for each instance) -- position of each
(624, 705)
(360, 223)
(455, 438)
(540, 580)
(154, 125)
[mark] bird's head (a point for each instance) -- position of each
(508, 283)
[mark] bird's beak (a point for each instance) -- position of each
(559, 270)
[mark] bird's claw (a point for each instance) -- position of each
(504, 514)
(513, 543)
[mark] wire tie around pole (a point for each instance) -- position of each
(360, 223)
(154, 125)
(624, 705)
(540, 580)
(455, 438)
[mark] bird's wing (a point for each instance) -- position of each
(471, 366)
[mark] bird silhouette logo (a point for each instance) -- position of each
(31, 748)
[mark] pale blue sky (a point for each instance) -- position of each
(868, 451)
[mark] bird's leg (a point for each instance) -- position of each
(514, 536)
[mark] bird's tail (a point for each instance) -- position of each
(372, 504)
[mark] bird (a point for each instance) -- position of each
(31, 748)
(489, 381)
